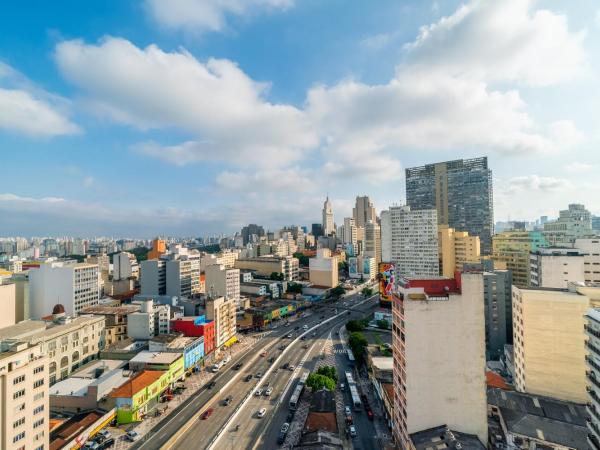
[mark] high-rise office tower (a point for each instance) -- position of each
(328, 225)
(252, 230)
(372, 247)
(363, 211)
(460, 191)
(350, 234)
(410, 240)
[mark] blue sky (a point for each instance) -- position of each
(196, 116)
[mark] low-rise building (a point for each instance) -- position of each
(197, 326)
(323, 269)
(7, 304)
(192, 348)
(170, 362)
(265, 266)
(133, 397)
(442, 437)
(116, 320)
(556, 267)
(223, 313)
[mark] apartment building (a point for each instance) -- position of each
(68, 342)
(592, 359)
(74, 285)
(456, 248)
(221, 281)
(438, 340)
(591, 258)
(153, 277)
(410, 241)
(555, 267)
(573, 223)
(323, 269)
(125, 266)
(159, 248)
(8, 304)
(549, 340)
(24, 407)
(183, 277)
(222, 313)
(151, 320)
(513, 248)
(116, 320)
(372, 243)
(265, 266)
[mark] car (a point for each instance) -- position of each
(347, 410)
(261, 413)
(258, 375)
(285, 366)
(352, 431)
(271, 359)
(305, 346)
(237, 366)
(282, 347)
(289, 336)
(291, 368)
(211, 385)
(297, 327)
(103, 434)
(132, 436)
(370, 414)
(342, 386)
(206, 414)
(284, 428)
(227, 400)
(258, 392)
(314, 334)
(107, 443)
(263, 354)
(91, 445)
(268, 392)
(305, 327)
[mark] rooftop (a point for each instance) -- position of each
(433, 286)
(70, 429)
(383, 362)
(137, 383)
(147, 357)
(323, 421)
(322, 401)
(548, 419)
(105, 374)
(173, 340)
(116, 310)
(442, 437)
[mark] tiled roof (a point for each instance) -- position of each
(494, 380)
(325, 421)
(137, 383)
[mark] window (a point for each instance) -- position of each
(18, 437)
(19, 379)
(38, 410)
(38, 369)
(38, 396)
(19, 422)
(19, 394)
(38, 423)
(38, 383)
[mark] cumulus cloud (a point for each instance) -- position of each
(579, 167)
(273, 180)
(501, 41)
(215, 101)
(537, 183)
(207, 15)
(29, 110)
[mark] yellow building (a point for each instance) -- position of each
(512, 248)
(323, 270)
(456, 248)
(549, 340)
(159, 248)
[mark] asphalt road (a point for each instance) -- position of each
(200, 433)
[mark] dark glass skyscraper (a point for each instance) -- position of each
(461, 191)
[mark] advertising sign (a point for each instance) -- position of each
(353, 267)
(387, 279)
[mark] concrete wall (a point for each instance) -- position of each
(7, 305)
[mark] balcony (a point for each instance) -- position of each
(593, 411)
(593, 440)
(592, 363)
(591, 331)
(593, 348)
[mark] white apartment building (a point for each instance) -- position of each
(572, 223)
(411, 241)
(223, 312)
(350, 235)
(555, 267)
(591, 258)
(183, 277)
(24, 406)
(153, 277)
(323, 269)
(592, 359)
(125, 266)
(227, 258)
(438, 339)
(221, 281)
(73, 285)
(7, 304)
(549, 340)
(68, 342)
(151, 320)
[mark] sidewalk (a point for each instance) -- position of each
(193, 383)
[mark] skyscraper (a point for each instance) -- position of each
(372, 247)
(328, 225)
(250, 230)
(363, 211)
(460, 190)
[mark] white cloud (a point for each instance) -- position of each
(88, 181)
(578, 167)
(207, 15)
(537, 183)
(274, 180)
(215, 101)
(377, 41)
(501, 41)
(29, 110)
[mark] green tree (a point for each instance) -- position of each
(328, 371)
(367, 292)
(357, 343)
(302, 259)
(354, 325)
(277, 276)
(337, 291)
(383, 324)
(317, 381)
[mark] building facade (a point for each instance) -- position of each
(328, 223)
(125, 266)
(555, 267)
(411, 241)
(512, 248)
(364, 211)
(573, 223)
(372, 247)
(265, 266)
(456, 248)
(438, 340)
(153, 277)
(223, 313)
(592, 359)
(221, 281)
(8, 304)
(460, 191)
(591, 259)
(323, 269)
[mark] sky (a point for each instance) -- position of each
(192, 117)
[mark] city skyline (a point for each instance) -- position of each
(83, 153)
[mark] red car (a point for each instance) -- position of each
(263, 354)
(370, 414)
(207, 414)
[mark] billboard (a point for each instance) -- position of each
(387, 279)
(353, 267)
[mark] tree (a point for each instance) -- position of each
(317, 381)
(328, 371)
(277, 276)
(294, 288)
(367, 292)
(354, 325)
(337, 291)
(357, 343)
(302, 259)
(383, 324)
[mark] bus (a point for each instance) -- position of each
(350, 356)
(295, 398)
(355, 397)
(349, 378)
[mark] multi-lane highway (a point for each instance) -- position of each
(185, 428)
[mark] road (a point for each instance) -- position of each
(255, 433)
(228, 382)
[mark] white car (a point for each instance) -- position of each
(268, 392)
(352, 431)
(261, 413)
(347, 411)
(132, 436)
(292, 368)
(285, 427)
(305, 327)
(258, 392)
